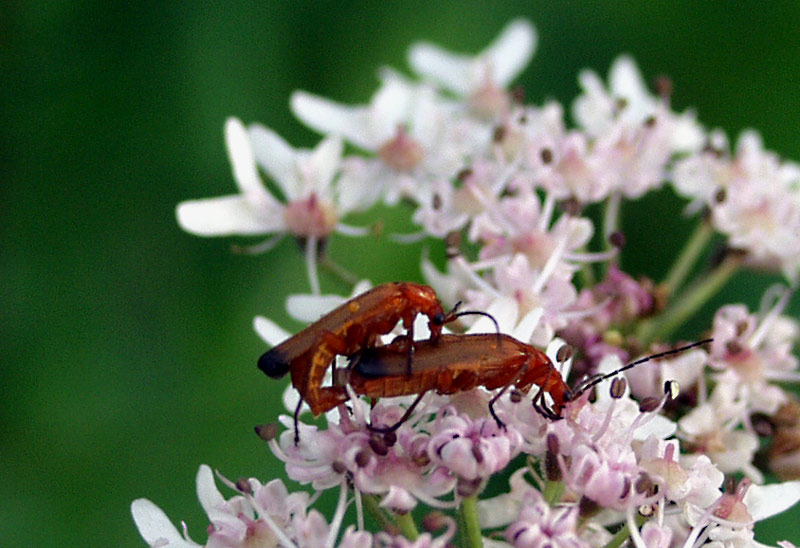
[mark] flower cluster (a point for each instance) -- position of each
(507, 185)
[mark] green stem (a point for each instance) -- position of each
(468, 526)
(621, 536)
(587, 277)
(407, 526)
(338, 270)
(688, 303)
(688, 256)
(553, 491)
(374, 510)
(624, 533)
(610, 225)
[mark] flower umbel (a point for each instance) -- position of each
(424, 421)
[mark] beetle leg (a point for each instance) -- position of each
(496, 397)
(404, 418)
(296, 421)
(409, 371)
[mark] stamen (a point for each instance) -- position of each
(311, 264)
(606, 421)
(264, 515)
(267, 432)
(338, 516)
(258, 249)
(766, 323)
(633, 529)
(359, 509)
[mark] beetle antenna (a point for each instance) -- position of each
(597, 379)
(453, 315)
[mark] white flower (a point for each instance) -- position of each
(628, 102)
(481, 78)
(304, 177)
(262, 516)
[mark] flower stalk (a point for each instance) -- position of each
(469, 527)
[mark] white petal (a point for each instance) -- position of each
(228, 215)
(498, 511)
(269, 331)
(361, 287)
(357, 188)
(243, 163)
(276, 157)
(510, 52)
(209, 496)
(625, 80)
(389, 107)
(326, 160)
(155, 526)
(528, 324)
(764, 501)
(450, 70)
(327, 116)
(442, 283)
(426, 124)
(659, 427)
(310, 308)
(502, 309)
(504, 59)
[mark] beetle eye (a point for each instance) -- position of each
(438, 319)
(273, 364)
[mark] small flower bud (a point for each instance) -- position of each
(649, 405)
(390, 438)
(477, 453)
(617, 239)
(551, 468)
(453, 239)
(644, 484)
(462, 175)
(499, 134)
(552, 444)
(626, 488)
(671, 390)
(733, 347)
(378, 445)
(434, 521)
(267, 432)
(243, 485)
(467, 488)
(518, 94)
(663, 86)
(618, 386)
(362, 458)
(564, 353)
(571, 206)
(587, 507)
(741, 328)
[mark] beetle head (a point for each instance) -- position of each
(273, 364)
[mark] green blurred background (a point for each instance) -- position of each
(128, 354)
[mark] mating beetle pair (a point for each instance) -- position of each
(445, 363)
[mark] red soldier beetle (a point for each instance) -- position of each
(456, 363)
(347, 330)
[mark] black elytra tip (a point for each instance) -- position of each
(273, 364)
